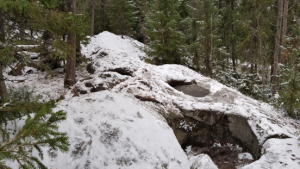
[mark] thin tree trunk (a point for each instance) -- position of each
(2, 31)
(70, 78)
(232, 40)
(144, 22)
(206, 41)
(284, 27)
(277, 41)
(3, 91)
(93, 18)
(192, 4)
(211, 38)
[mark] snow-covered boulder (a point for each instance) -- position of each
(113, 130)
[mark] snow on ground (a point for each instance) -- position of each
(112, 129)
(245, 156)
(202, 161)
(278, 154)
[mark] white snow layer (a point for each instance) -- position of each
(112, 129)
(202, 161)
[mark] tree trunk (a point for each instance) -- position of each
(192, 4)
(277, 41)
(284, 27)
(232, 40)
(211, 38)
(3, 91)
(284, 32)
(70, 78)
(2, 31)
(206, 41)
(93, 18)
(78, 51)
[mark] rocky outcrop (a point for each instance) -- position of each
(200, 110)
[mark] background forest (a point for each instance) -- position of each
(250, 45)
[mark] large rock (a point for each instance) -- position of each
(110, 130)
(221, 115)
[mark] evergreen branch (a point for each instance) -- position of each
(12, 141)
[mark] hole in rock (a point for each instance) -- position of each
(189, 88)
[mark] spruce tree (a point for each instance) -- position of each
(290, 92)
(163, 29)
(122, 17)
(40, 130)
(70, 77)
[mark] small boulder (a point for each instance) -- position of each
(89, 84)
(98, 88)
(90, 68)
(102, 54)
(83, 92)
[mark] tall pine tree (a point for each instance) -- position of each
(163, 28)
(122, 17)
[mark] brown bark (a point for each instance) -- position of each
(3, 91)
(206, 41)
(70, 78)
(165, 34)
(93, 18)
(284, 27)
(284, 32)
(277, 41)
(232, 40)
(192, 4)
(2, 31)
(211, 38)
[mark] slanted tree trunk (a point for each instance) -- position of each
(277, 41)
(70, 78)
(93, 18)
